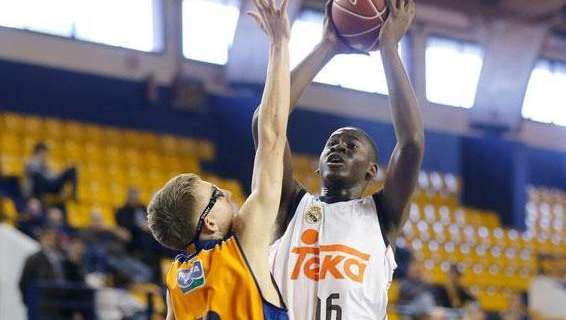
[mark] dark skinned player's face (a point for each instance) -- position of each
(346, 159)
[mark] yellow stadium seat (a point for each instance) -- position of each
(34, 126)
(11, 144)
(152, 160)
(77, 215)
(53, 129)
(13, 122)
(148, 141)
(132, 157)
(94, 152)
(11, 166)
(93, 133)
(188, 147)
(169, 144)
(393, 292)
(74, 131)
(205, 150)
(113, 136)
(9, 210)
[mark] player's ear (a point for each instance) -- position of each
(372, 171)
(210, 225)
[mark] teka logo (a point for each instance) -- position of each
(335, 260)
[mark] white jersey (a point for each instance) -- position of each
(332, 262)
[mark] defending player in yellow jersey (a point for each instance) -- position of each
(227, 274)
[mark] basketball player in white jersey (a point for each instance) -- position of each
(334, 258)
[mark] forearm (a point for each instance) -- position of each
(274, 108)
(303, 74)
(406, 114)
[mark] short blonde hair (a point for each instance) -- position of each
(171, 212)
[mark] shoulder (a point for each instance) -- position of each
(383, 215)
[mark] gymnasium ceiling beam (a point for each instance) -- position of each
(248, 57)
(510, 50)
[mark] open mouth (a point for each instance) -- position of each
(335, 159)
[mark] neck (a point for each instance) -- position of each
(211, 236)
(331, 194)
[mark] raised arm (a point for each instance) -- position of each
(257, 216)
(260, 209)
(301, 77)
(405, 162)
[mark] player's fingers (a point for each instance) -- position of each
(392, 5)
(257, 17)
(283, 6)
(270, 5)
(411, 6)
(259, 5)
(401, 4)
(263, 5)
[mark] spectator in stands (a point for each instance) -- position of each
(106, 252)
(32, 219)
(56, 220)
(416, 300)
(74, 262)
(453, 294)
(43, 267)
(516, 308)
(472, 311)
(403, 257)
(133, 218)
(40, 178)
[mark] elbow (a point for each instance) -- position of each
(272, 137)
(255, 120)
(414, 145)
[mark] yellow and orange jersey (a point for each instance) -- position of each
(217, 283)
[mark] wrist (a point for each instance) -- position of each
(328, 46)
(278, 43)
(389, 46)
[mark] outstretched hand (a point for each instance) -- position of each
(330, 34)
(401, 16)
(272, 20)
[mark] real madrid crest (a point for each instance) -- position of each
(313, 214)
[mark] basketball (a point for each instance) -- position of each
(358, 22)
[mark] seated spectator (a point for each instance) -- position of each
(517, 308)
(74, 262)
(416, 300)
(45, 266)
(106, 252)
(133, 218)
(55, 219)
(453, 294)
(42, 181)
(32, 219)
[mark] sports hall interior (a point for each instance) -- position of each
(160, 87)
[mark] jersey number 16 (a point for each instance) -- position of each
(330, 308)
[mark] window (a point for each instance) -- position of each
(545, 99)
(452, 72)
(125, 23)
(208, 29)
(352, 71)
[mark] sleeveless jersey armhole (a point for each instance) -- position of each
(382, 217)
(273, 309)
(293, 206)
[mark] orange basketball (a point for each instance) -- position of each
(358, 21)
